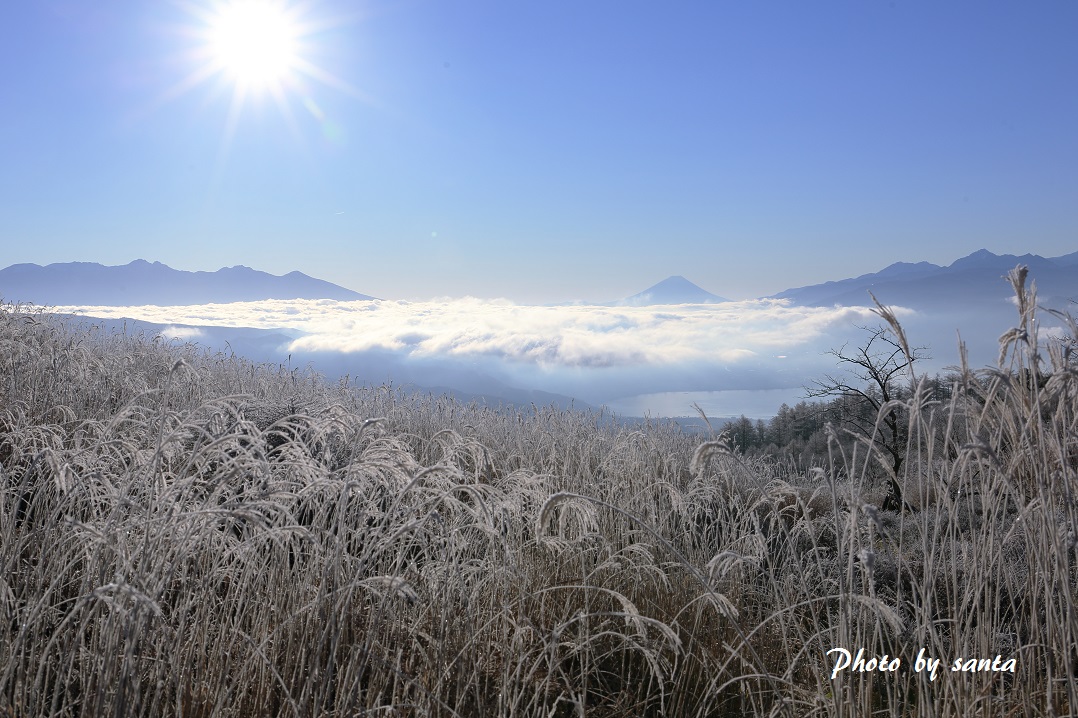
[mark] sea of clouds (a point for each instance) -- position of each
(618, 356)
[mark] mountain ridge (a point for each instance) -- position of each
(968, 282)
(143, 283)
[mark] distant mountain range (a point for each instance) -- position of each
(967, 283)
(970, 294)
(972, 282)
(142, 282)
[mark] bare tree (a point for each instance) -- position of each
(873, 381)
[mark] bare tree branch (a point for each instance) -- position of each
(876, 365)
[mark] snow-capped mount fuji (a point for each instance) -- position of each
(142, 282)
(673, 290)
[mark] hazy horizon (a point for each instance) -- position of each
(628, 294)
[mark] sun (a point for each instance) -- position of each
(253, 50)
(255, 42)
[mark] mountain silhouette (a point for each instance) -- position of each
(673, 290)
(970, 283)
(142, 282)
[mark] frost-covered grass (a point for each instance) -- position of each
(190, 534)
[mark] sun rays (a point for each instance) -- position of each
(252, 50)
(255, 43)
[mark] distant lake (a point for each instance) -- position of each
(755, 404)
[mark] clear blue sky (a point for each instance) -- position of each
(545, 151)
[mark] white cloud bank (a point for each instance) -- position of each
(547, 337)
(182, 333)
(597, 354)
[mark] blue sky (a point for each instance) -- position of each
(546, 151)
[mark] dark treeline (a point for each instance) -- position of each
(799, 432)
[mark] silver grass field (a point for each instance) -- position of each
(190, 534)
